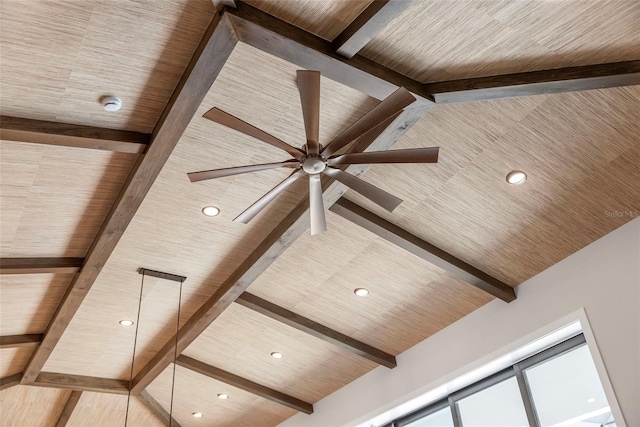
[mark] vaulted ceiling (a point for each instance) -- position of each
(89, 197)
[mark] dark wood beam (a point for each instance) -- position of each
(303, 324)
(67, 411)
(81, 383)
(367, 25)
(402, 238)
(244, 384)
(221, 4)
(282, 236)
(12, 341)
(536, 82)
(286, 41)
(207, 61)
(10, 381)
(70, 135)
(40, 265)
(156, 408)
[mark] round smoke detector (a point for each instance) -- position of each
(111, 103)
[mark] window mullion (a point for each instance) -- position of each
(525, 392)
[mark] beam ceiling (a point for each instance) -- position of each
(70, 135)
(391, 232)
(292, 44)
(314, 328)
(201, 72)
(40, 265)
(560, 80)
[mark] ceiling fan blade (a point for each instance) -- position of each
(413, 155)
(316, 205)
(219, 173)
(392, 105)
(363, 142)
(309, 87)
(371, 192)
(226, 119)
(262, 202)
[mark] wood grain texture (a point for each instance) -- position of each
(365, 27)
(55, 198)
(154, 406)
(587, 77)
(26, 340)
(10, 381)
(31, 406)
(27, 302)
(202, 71)
(81, 382)
(310, 369)
(430, 41)
(409, 299)
(297, 46)
(69, 407)
(40, 265)
(325, 19)
(58, 69)
(70, 135)
(244, 384)
(110, 410)
(280, 238)
(94, 344)
(197, 393)
(396, 235)
(14, 359)
(578, 150)
(303, 324)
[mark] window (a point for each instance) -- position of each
(558, 387)
(497, 406)
(440, 418)
(566, 391)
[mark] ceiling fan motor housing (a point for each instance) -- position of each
(313, 164)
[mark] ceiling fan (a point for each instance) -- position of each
(314, 159)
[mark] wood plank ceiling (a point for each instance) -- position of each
(62, 205)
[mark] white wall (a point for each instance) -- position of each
(603, 278)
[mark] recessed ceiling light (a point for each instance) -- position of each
(211, 211)
(277, 355)
(591, 400)
(361, 292)
(126, 322)
(223, 396)
(516, 177)
(197, 414)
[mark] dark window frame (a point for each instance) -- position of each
(516, 370)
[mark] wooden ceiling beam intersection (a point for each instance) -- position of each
(274, 245)
(367, 25)
(40, 265)
(70, 135)
(68, 409)
(10, 381)
(156, 409)
(560, 80)
(221, 4)
(12, 341)
(315, 329)
(244, 384)
(203, 69)
(293, 44)
(81, 383)
(425, 250)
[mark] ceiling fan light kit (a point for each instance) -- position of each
(314, 159)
